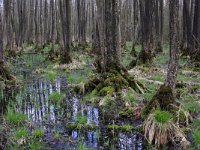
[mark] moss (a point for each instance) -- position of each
(107, 91)
(161, 100)
(128, 113)
(124, 128)
(78, 126)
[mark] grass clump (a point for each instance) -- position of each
(160, 129)
(192, 107)
(81, 119)
(162, 116)
(15, 118)
(38, 133)
(51, 75)
(36, 145)
(196, 138)
(76, 78)
(55, 98)
(21, 133)
(130, 96)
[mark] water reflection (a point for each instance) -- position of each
(130, 141)
(33, 100)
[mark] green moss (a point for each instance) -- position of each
(15, 118)
(55, 98)
(92, 97)
(107, 91)
(162, 116)
(78, 126)
(130, 96)
(128, 112)
(38, 133)
(123, 128)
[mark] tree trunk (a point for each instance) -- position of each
(113, 48)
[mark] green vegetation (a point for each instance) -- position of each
(51, 75)
(36, 145)
(15, 118)
(196, 137)
(21, 133)
(81, 119)
(56, 98)
(162, 116)
(38, 133)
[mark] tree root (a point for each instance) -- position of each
(164, 99)
(5, 76)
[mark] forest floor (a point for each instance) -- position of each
(45, 113)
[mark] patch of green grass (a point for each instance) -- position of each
(91, 97)
(130, 96)
(15, 118)
(38, 133)
(162, 116)
(56, 135)
(51, 75)
(158, 77)
(196, 137)
(55, 98)
(76, 78)
(82, 146)
(192, 106)
(36, 145)
(197, 124)
(81, 119)
(109, 90)
(21, 133)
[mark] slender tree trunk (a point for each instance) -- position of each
(174, 43)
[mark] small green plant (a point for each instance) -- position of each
(38, 133)
(21, 133)
(55, 98)
(81, 119)
(162, 116)
(130, 97)
(15, 118)
(56, 135)
(36, 145)
(51, 75)
(82, 146)
(196, 137)
(76, 78)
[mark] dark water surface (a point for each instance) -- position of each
(33, 100)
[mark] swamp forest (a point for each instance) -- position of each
(99, 74)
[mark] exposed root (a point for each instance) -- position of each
(5, 76)
(164, 100)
